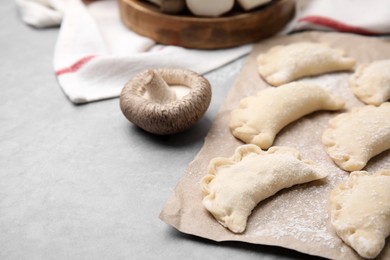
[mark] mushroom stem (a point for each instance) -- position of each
(157, 89)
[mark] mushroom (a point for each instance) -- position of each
(209, 7)
(148, 100)
(170, 6)
(251, 4)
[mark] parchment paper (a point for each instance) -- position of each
(298, 217)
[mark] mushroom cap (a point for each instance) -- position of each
(166, 118)
(212, 8)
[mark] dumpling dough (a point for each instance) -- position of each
(353, 138)
(261, 117)
(234, 186)
(283, 64)
(360, 211)
(371, 82)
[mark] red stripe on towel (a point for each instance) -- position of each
(75, 66)
(338, 26)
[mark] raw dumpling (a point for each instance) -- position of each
(261, 117)
(360, 211)
(283, 64)
(371, 82)
(354, 138)
(234, 186)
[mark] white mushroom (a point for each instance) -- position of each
(251, 4)
(170, 6)
(209, 7)
(149, 102)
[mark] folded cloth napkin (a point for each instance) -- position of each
(354, 16)
(96, 54)
(41, 13)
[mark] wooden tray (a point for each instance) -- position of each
(233, 29)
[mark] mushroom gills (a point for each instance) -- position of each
(179, 90)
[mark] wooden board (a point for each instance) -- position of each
(233, 29)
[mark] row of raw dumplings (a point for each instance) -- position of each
(352, 138)
(360, 209)
(283, 64)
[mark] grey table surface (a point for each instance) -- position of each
(81, 182)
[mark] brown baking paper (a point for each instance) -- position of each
(298, 217)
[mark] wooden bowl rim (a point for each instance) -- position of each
(232, 29)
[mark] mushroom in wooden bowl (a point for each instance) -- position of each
(212, 26)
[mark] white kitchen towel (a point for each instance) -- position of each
(41, 13)
(96, 54)
(354, 16)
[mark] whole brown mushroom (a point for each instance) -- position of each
(149, 102)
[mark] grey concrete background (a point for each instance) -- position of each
(81, 182)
